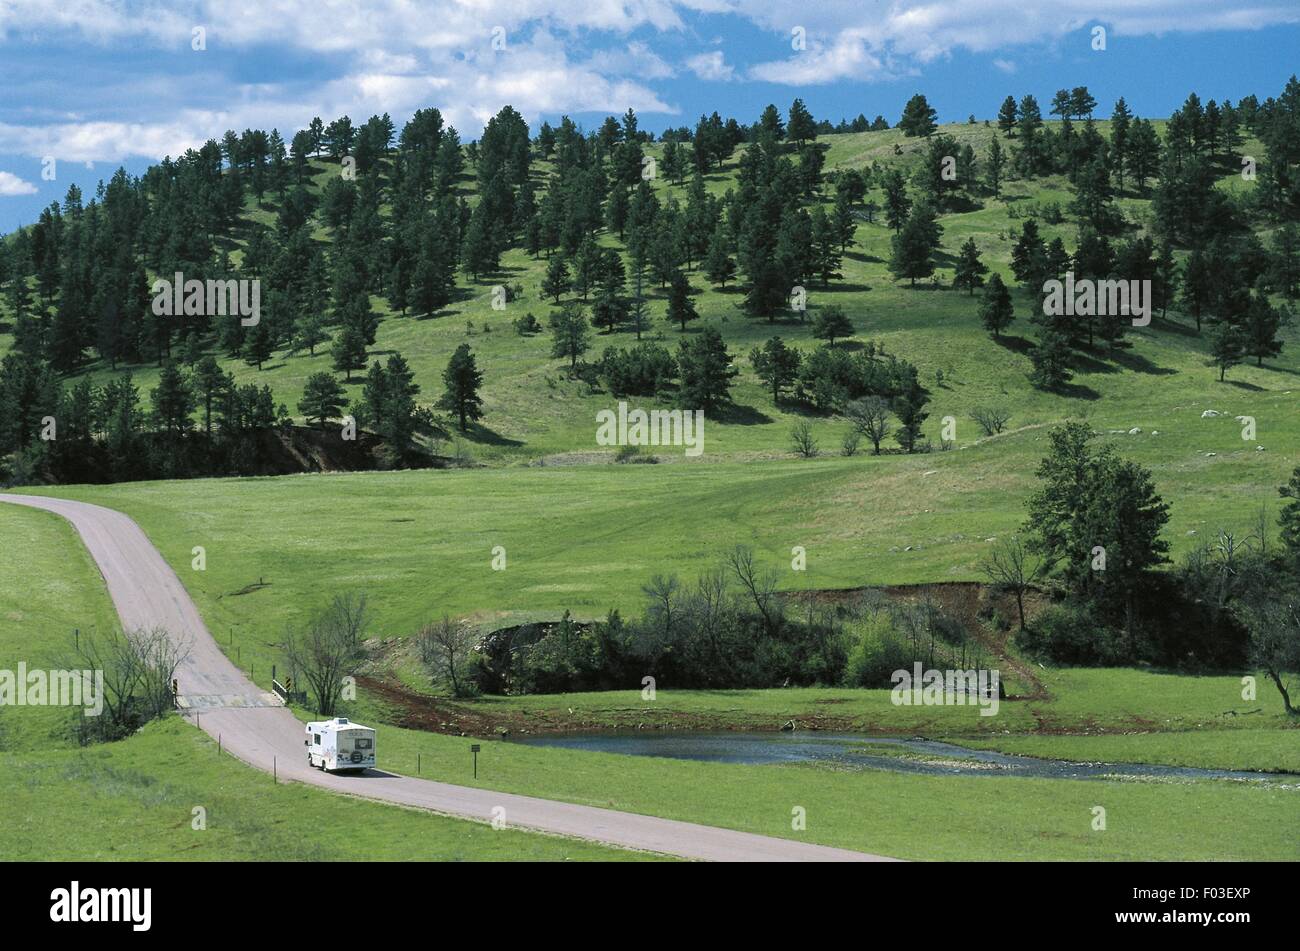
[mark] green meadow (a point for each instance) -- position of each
(143, 798)
(582, 533)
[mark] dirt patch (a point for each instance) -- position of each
(971, 602)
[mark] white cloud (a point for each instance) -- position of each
(398, 55)
(712, 67)
(849, 57)
(851, 40)
(12, 185)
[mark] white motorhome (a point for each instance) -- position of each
(338, 744)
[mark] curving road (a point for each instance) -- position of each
(255, 727)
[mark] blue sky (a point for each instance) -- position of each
(102, 83)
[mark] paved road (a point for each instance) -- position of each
(257, 729)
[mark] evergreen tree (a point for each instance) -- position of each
(776, 365)
(1051, 360)
(1259, 331)
(556, 282)
(209, 385)
(718, 264)
(996, 310)
(996, 162)
(680, 306)
(172, 401)
(918, 117)
(322, 398)
(461, 381)
(349, 350)
(570, 334)
(257, 345)
(830, 323)
(705, 370)
(1008, 116)
(897, 204)
(801, 127)
(970, 270)
(913, 249)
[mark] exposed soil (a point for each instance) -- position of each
(970, 601)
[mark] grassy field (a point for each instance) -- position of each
(534, 411)
(906, 816)
(583, 534)
(136, 799)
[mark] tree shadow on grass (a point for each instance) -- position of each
(1243, 385)
(1076, 391)
(1014, 344)
(1087, 363)
(1139, 364)
(483, 435)
(737, 415)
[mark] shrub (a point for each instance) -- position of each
(877, 653)
(1073, 633)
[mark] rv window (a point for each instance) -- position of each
(315, 738)
(363, 742)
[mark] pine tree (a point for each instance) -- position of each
(831, 322)
(996, 310)
(897, 204)
(322, 398)
(996, 162)
(1259, 331)
(172, 401)
(719, 267)
(970, 270)
(1008, 116)
(913, 250)
(556, 281)
(349, 350)
(309, 331)
(776, 365)
(705, 370)
(801, 127)
(258, 345)
(1051, 360)
(918, 117)
(680, 306)
(461, 381)
(209, 384)
(570, 334)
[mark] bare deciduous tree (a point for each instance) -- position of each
(446, 647)
(870, 417)
(1010, 567)
(138, 669)
(991, 419)
(802, 440)
(348, 613)
(324, 653)
(759, 585)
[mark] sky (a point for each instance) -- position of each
(91, 85)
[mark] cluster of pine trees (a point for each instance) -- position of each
(77, 284)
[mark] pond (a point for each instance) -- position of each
(853, 751)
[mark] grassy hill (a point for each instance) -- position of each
(135, 799)
(534, 410)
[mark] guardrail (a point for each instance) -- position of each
(288, 695)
